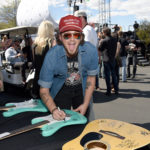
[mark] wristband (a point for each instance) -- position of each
(54, 109)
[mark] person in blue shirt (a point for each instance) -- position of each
(67, 76)
(12, 54)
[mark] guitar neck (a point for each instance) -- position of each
(7, 107)
(22, 130)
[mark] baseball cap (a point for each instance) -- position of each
(80, 13)
(69, 23)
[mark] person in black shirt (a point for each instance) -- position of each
(116, 28)
(108, 48)
(136, 25)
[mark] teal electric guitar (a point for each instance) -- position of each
(48, 125)
(29, 105)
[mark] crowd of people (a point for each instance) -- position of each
(121, 51)
(69, 64)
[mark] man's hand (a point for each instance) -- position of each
(59, 114)
(81, 109)
(49, 102)
(90, 85)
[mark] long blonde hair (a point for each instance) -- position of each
(45, 35)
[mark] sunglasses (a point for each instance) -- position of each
(69, 35)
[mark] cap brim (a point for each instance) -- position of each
(71, 28)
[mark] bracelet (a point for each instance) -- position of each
(54, 109)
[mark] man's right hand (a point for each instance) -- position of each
(49, 102)
(59, 114)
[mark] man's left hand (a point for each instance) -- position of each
(81, 109)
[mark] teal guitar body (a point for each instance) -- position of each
(30, 105)
(48, 125)
(50, 128)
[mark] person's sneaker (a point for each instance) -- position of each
(133, 76)
(98, 89)
(124, 81)
(116, 93)
(107, 93)
(113, 90)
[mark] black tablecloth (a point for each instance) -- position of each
(33, 140)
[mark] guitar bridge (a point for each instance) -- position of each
(112, 134)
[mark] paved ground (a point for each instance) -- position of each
(133, 103)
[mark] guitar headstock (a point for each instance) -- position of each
(28, 105)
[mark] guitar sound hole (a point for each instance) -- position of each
(96, 146)
(90, 137)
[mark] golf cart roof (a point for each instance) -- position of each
(19, 30)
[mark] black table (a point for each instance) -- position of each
(32, 140)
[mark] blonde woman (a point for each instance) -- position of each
(43, 42)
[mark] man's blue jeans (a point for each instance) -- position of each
(109, 69)
(123, 59)
(131, 60)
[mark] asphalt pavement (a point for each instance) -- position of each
(131, 105)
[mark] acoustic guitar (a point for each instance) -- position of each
(107, 134)
(48, 125)
(29, 105)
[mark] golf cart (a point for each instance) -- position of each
(12, 72)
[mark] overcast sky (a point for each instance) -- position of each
(123, 12)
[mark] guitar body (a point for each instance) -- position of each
(107, 134)
(54, 125)
(30, 105)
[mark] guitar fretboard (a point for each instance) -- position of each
(24, 129)
(7, 107)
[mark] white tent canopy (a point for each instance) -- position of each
(19, 30)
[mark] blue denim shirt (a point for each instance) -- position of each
(54, 69)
